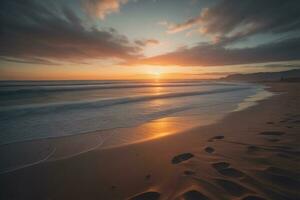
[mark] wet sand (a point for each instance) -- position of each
(252, 154)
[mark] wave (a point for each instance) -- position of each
(17, 111)
(12, 90)
(48, 134)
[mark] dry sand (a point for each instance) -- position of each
(249, 155)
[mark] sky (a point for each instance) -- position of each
(146, 39)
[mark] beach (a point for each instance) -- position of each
(149, 100)
(251, 154)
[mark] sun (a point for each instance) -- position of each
(156, 73)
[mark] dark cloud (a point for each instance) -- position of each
(252, 16)
(36, 31)
(214, 74)
(280, 65)
(230, 21)
(45, 32)
(146, 42)
(29, 61)
(213, 55)
(239, 19)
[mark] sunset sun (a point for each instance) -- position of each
(157, 74)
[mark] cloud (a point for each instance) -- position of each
(237, 19)
(214, 74)
(146, 42)
(216, 55)
(32, 31)
(230, 21)
(175, 28)
(48, 32)
(101, 8)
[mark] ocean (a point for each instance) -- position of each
(31, 110)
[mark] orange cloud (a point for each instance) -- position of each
(102, 8)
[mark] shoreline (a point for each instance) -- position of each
(100, 174)
(54, 148)
(22, 125)
(105, 131)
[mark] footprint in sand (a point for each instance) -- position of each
(194, 195)
(220, 165)
(231, 172)
(231, 187)
(182, 157)
(148, 176)
(147, 196)
(272, 133)
(272, 136)
(292, 152)
(280, 177)
(285, 172)
(218, 137)
(189, 172)
(251, 197)
(209, 149)
(224, 169)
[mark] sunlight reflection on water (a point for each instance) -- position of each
(170, 116)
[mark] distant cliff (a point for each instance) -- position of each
(289, 76)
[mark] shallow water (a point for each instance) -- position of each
(35, 110)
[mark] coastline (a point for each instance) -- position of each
(21, 154)
(258, 142)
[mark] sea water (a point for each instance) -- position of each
(31, 110)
